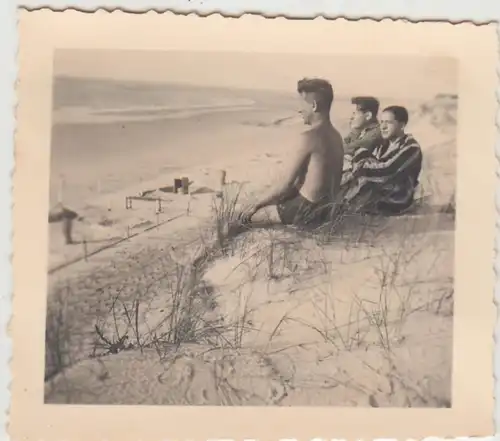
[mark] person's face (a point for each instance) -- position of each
(307, 108)
(359, 118)
(389, 127)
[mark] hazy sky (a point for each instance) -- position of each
(405, 76)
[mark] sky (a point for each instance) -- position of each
(395, 76)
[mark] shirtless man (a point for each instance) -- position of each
(307, 192)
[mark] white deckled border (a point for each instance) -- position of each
(496, 336)
(414, 10)
(455, 11)
(8, 74)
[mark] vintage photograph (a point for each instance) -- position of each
(280, 237)
(252, 229)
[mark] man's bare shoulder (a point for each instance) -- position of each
(316, 139)
(307, 140)
(337, 135)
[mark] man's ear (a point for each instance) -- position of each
(368, 115)
(315, 106)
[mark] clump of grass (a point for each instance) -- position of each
(181, 319)
(185, 297)
(274, 256)
(225, 213)
(57, 334)
(281, 254)
(385, 319)
(124, 323)
(241, 323)
(370, 322)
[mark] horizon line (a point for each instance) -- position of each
(154, 82)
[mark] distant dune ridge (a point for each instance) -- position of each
(441, 111)
(265, 318)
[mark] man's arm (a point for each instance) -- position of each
(369, 141)
(294, 173)
(374, 169)
(352, 135)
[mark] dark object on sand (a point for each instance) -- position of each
(182, 184)
(451, 207)
(203, 190)
(159, 208)
(66, 216)
(222, 183)
(185, 185)
(177, 185)
(128, 203)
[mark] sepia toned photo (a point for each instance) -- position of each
(248, 228)
(265, 239)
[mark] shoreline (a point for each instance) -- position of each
(261, 296)
(250, 149)
(107, 219)
(131, 153)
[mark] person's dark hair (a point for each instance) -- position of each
(366, 104)
(400, 113)
(321, 90)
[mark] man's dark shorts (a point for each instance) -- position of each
(303, 213)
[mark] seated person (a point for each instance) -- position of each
(385, 179)
(365, 130)
(312, 179)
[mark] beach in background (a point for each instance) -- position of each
(117, 138)
(361, 317)
(111, 134)
(124, 116)
(121, 133)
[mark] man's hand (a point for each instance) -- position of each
(347, 166)
(245, 216)
(294, 173)
(346, 177)
(357, 166)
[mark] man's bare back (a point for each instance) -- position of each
(323, 173)
(307, 192)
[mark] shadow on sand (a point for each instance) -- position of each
(90, 241)
(363, 228)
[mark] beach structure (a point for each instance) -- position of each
(66, 216)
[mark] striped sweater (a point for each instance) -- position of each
(392, 168)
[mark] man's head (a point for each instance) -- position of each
(393, 122)
(317, 98)
(365, 111)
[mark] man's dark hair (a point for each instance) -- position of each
(320, 88)
(366, 104)
(400, 113)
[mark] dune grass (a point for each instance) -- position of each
(177, 306)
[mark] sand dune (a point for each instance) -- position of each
(364, 319)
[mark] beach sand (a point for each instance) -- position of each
(284, 319)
